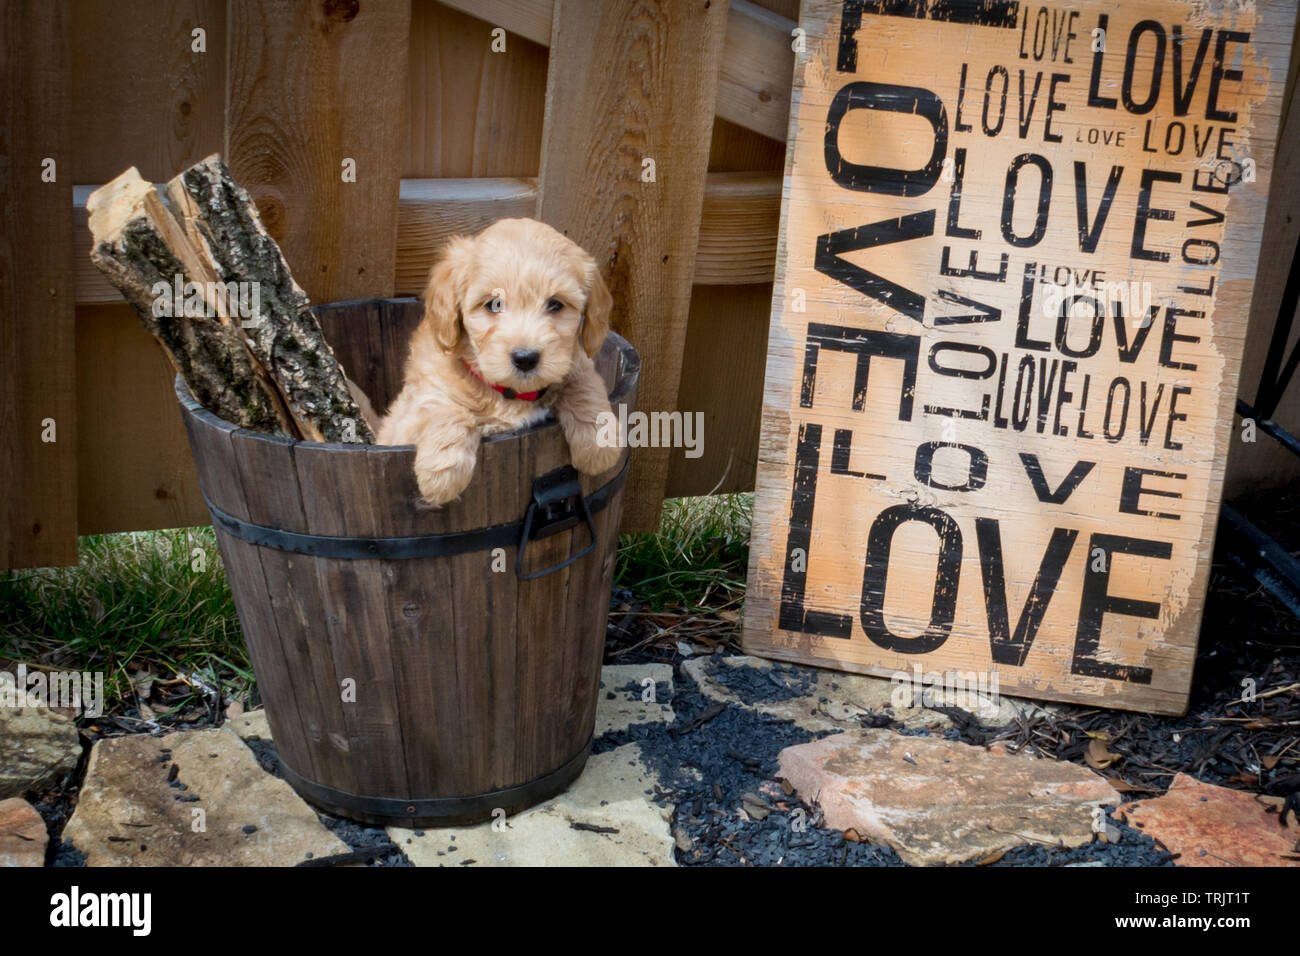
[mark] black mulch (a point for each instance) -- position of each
(776, 683)
(715, 759)
(369, 845)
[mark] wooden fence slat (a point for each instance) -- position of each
(753, 88)
(91, 286)
(725, 321)
(473, 109)
(633, 82)
(135, 471)
(738, 228)
(739, 150)
(530, 19)
(737, 243)
(737, 240)
(38, 520)
(142, 94)
(731, 321)
(433, 210)
(757, 70)
(312, 86)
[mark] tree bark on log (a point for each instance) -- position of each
(139, 245)
(220, 218)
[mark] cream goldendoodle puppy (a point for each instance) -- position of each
(512, 317)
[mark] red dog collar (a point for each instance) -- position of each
(507, 392)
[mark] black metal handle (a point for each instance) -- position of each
(557, 505)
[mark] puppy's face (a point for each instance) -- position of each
(511, 301)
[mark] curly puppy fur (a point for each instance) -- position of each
(512, 295)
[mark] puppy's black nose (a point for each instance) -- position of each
(525, 360)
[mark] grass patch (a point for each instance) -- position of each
(697, 560)
(141, 601)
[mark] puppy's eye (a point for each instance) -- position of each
(494, 304)
(554, 305)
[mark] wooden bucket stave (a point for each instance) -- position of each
(474, 689)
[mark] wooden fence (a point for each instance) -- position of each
(454, 114)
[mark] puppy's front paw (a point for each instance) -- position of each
(443, 474)
(439, 486)
(591, 458)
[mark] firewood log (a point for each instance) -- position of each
(218, 215)
(143, 251)
(212, 286)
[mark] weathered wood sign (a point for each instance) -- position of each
(1017, 251)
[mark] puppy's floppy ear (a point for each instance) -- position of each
(599, 304)
(443, 293)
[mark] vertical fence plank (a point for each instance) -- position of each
(38, 517)
(732, 321)
(148, 91)
(134, 467)
(632, 82)
(472, 110)
(311, 87)
(726, 320)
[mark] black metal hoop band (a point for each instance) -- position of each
(415, 546)
(439, 811)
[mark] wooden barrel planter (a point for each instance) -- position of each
(418, 667)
